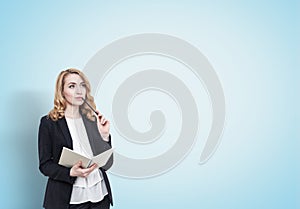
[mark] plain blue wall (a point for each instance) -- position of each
(254, 48)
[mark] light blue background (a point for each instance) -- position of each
(252, 45)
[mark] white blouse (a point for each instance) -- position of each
(92, 188)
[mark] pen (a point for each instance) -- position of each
(90, 106)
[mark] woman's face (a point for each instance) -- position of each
(74, 89)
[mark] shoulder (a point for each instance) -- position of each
(46, 120)
(49, 125)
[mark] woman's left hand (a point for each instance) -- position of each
(103, 126)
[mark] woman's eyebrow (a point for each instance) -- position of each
(71, 82)
(74, 82)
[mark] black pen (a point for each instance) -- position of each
(90, 106)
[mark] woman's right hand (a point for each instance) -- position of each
(78, 171)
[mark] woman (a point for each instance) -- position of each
(72, 124)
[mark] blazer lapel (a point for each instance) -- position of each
(89, 130)
(97, 144)
(65, 130)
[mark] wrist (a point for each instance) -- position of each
(71, 173)
(105, 137)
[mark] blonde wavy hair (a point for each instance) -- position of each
(58, 111)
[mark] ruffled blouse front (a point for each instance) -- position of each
(92, 188)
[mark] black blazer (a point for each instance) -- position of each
(52, 137)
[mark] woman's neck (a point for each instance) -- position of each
(72, 112)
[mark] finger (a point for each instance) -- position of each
(98, 113)
(85, 172)
(103, 120)
(93, 167)
(89, 169)
(78, 164)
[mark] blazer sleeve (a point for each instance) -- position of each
(111, 159)
(49, 154)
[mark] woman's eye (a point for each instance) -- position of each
(72, 86)
(83, 85)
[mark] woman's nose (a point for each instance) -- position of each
(79, 90)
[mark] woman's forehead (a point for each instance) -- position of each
(73, 78)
